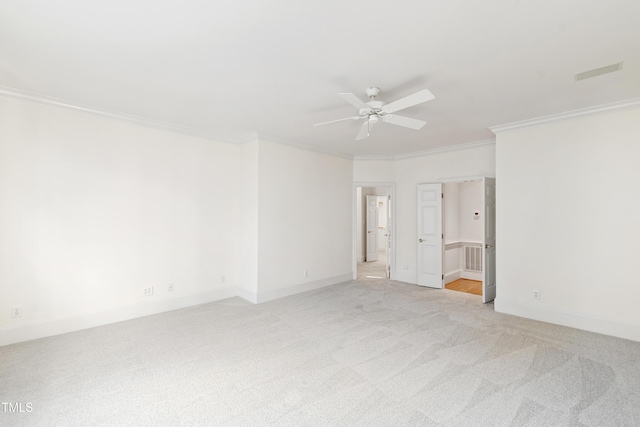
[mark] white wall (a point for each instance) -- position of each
(305, 220)
(248, 216)
(92, 210)
(470, 196)
(374, 171)
(567, 222)
(451, 212)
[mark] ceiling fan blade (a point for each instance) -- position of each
(339, 120)
(408, 101)
(354, 100)
(364, 130)
(407, 122)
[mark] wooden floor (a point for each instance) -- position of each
(466, 285)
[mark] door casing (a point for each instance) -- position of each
(391, 226)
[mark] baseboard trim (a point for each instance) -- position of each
(470, 275)
(11, 334)
(452, 276)
(406, 276)
(302, 287)
(247, 295)
(566, 318)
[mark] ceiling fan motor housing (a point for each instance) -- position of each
(372, 92)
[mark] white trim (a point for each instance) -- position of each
(452, 245)
(143, 121)
(407, 276)
(10, 334)
(354, 226)
(303, 146)
(429, 152)
(471, 275)
(566, 115)
(302, 287)
(156, 124)
(247, 138)
(566, 318)
(247, 296)
(461, 179)
(452, 276)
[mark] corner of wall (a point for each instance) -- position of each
(11, 334)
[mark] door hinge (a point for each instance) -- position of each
(443, 277)
(442, 194)
(443, 236)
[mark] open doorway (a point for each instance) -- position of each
(373, 231)
(463, 212)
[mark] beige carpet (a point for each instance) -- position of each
(374, 269)
(370, 352)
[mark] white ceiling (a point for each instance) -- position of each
(231, 69)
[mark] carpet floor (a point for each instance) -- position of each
(367, 352)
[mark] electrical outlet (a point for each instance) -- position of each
(16, 311)
(170, 287)
(223, 279)
(146, 292)
(305, 273)
(536, 294)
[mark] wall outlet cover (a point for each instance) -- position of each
(16, 311)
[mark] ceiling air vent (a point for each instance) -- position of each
(599, 71)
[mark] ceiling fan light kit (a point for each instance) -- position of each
(375, 111)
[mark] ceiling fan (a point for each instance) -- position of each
(375, 111)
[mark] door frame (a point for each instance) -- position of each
(461, 179)
(391, 225)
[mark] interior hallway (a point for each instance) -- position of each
(373, 269)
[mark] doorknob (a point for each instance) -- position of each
(420, 240)
(488, 246)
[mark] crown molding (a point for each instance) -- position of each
(566, 115)
(301, 146)
(429, 152)
(143, 121)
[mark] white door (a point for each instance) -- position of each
(489, 267)
(372, 228)
(430, 237)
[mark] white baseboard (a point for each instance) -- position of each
(247, 295)
(10, 334)
(302, 287)
(452, 276)
(471, 275)
(567, 318)
(406, 276)
(360, 258)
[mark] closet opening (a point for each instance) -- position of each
(463, 212)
